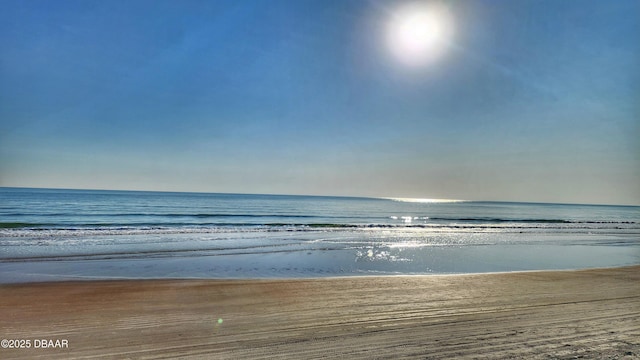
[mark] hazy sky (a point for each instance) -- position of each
(518, 100)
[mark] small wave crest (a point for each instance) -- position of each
(43, 231)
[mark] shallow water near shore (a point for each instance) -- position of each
(49, 235)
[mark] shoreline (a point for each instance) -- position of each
(588, 313)
(89, 279)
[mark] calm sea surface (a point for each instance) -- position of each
(48, 235)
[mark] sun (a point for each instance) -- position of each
(417, 33)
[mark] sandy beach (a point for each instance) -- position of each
(592, 314)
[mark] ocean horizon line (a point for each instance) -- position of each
(386, 198)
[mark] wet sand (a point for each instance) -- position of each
(591, 314)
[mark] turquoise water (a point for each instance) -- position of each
(75, 234)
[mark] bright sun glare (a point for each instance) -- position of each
(417, 33)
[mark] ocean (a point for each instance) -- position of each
(53, 235)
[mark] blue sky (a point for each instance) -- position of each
(526, 100)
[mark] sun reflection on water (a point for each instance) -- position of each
(425, 201)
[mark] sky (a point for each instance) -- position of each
(515, 100)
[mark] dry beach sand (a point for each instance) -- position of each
(592, 314)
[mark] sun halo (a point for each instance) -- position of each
(417, 33)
